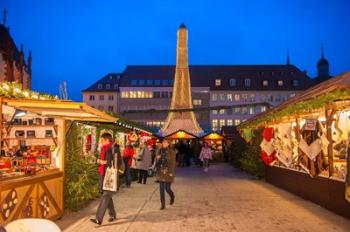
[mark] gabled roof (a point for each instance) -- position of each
(205, 76)
(111, 79)
(213, 136)
(181, 134)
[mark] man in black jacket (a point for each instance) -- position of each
(106, 160)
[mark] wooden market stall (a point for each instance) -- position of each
(32, 154)
(305, 144)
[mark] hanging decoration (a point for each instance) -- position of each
(14, 90)
(268, 153)
(283, 144)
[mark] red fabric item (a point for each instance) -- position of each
(129, 154)
(102, 167)
(88, 143)
(268, 159)
(268, 133)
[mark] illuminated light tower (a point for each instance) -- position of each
(182, 97)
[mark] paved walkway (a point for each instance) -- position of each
(223, 200)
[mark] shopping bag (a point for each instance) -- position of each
(110, 180)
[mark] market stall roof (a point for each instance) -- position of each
(332, 90)
(62, 109)
(213, 136)
(181, 134)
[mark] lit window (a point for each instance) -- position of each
(292, 95)
(132, 94)
(265, 83)
(247, 82)
(133, 82)
(148, 94)
(229, 97)
(263, 108)
(214, 124)
(237, 110)
(222, 123)
(149, 82)
(110, 97)
(157, 82)
(125, 94)
(214, 97)
(214, 112)
(197, 102)
(295, 82)
(99, 86)
(102, 97)
(237, 122)
(251, 110)
(233, 82)
(221, 111)
(165, 82)
(110, 108)
(140, 94)
(280, 83)
(229, 122)
(108, 86)
(237, 97)
(222, 97)
(141, 82)
(92, 98)
(218, 82)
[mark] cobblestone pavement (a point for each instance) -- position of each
(223, 200)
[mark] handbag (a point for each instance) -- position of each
(110, 181)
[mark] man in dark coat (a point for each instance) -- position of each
(106, 160)
(166, 162)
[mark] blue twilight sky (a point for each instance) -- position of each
(80, 41)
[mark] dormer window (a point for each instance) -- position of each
(295, 83)
(218, 82)
(157, 82)
(141, 82)
(280, 83)
(247, 82)
(108, 86)
(265, 83)
(149, 82)
(165, 82)
(233, 82)
(133, 82)
(99, 86)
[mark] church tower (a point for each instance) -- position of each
(182, 97)
(322, 66)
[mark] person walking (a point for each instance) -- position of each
(128, 156)
(143, 162)
(206, 155)
(106, 160)
(166, 161)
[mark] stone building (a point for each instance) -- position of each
(14, 67)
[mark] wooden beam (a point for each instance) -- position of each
(329, 113)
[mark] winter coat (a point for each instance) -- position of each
(143, 160)
(206, 153)
(128, 155)
(106, 155)
(165, 166)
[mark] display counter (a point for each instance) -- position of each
(26, 196)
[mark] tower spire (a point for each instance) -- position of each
(184, 119)
(288, 58)
(4, 16)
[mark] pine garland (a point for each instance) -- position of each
(14, 90)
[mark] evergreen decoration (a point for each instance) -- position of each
(81, 177)
(14, 90)
(298, 108)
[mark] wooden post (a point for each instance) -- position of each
(329, 113)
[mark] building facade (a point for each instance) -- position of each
(142, 93)
(13, 65)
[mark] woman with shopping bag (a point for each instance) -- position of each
(108, 170)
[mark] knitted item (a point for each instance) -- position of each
(268, 133)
